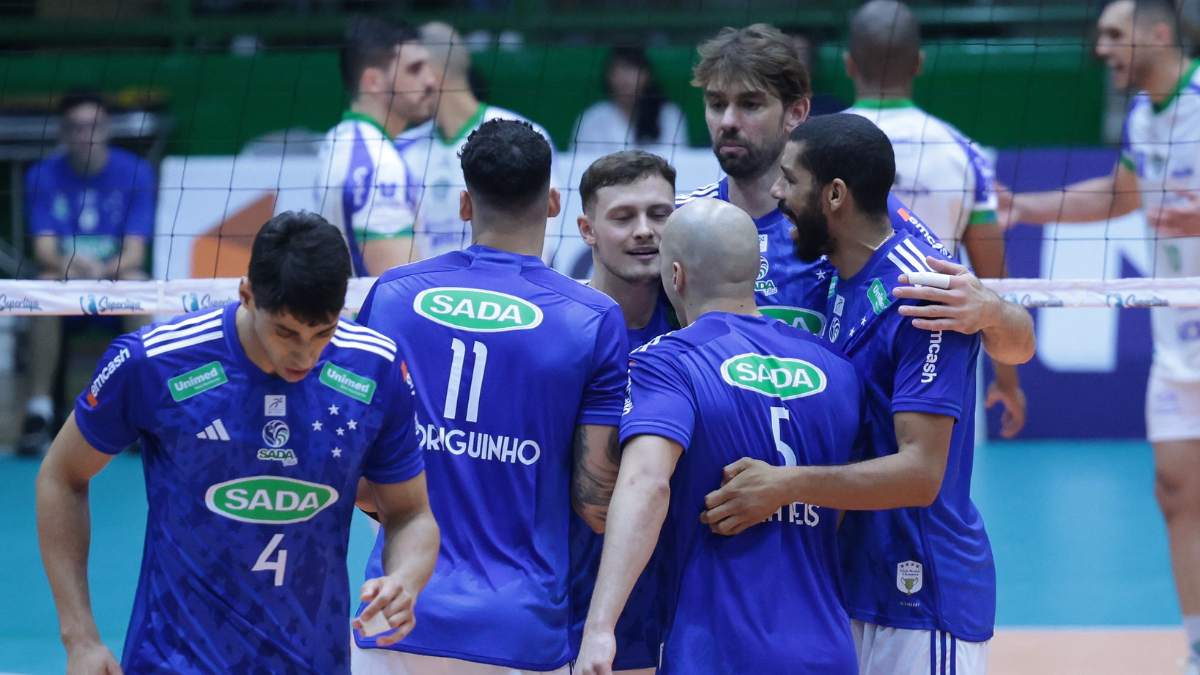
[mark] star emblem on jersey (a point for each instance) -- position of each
(333, 410)
(316, 426)
(341, 431)
(852, 331)
(863, 322)
(352, 424)
(337, 452)
(820, 274)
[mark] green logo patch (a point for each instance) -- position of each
(878, 296)
(774, 376)
(197, 381)
(355, 386)
(477, 310)
(270, 500)
(796, 317)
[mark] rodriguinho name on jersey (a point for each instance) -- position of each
(198, 381)
(477, 310)
(774, 376)
(271, 500)
(479, 445)
(341, 380)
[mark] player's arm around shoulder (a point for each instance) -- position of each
(966, 306)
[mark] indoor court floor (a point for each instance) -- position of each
(1081, 556)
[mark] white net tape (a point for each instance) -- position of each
(41, 298)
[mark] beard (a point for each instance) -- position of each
(755, 162)
(812, 231)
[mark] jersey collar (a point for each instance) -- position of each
(884, 103)
(466, 127)
(1179, 86)
(352, 116)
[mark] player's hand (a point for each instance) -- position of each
(387, 595)
(749, 494)
(596, 653)
(1013, 419)
(92, 659)
(1177, 221)
(966, 307)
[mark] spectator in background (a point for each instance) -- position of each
(362, 186)
(810, 49)
(90, 210)
(636, 114)
(431, 149)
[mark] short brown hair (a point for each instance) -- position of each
(759, 55)
(621, 168)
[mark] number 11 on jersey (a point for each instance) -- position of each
(456, 367)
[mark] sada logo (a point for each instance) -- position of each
(276, 433)
(477, 310)
(271, 500)
(774, 376)
(796, 317)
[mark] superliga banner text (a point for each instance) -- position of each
(46, 298)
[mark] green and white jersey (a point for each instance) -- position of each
(438, 180)
(1161, 144)
(362, 186)
(940, 173)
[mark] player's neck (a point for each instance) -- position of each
(92, 164)
(875, 92)
(250, 344)
(857, 241)
(753, 195)
(1165, 78)
(637, 300)
(744, 306)
(456, 108)
(380, 112)
(523, 241)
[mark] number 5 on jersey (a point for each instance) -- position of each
(452, 387)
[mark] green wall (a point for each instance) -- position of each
(1002, 94)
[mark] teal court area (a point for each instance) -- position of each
(1078, 542)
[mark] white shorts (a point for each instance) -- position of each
(896, 651)
(389, 662)
(1172, 409)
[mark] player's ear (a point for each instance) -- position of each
(851, 68)
(555, 203)
(920, 63)
(465, 209)
(678, 278)
(245, 293)
(836, 194)
(585, 230)
(795, 113)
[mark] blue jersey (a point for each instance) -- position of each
(511, 357)
(915, 568)
(251, 483)
(639, 628)
(90, 214)
(787, 288)
(767, 600)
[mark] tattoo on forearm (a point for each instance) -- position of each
(594, 474)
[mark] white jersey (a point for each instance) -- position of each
(438, 180)
(1161, 144)
(362, 185)
(940, 173)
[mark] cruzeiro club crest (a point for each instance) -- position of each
(910, 577)
(276, 433)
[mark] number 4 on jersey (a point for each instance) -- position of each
(264, 564)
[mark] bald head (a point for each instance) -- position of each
(716, 245)
(447, 50)
(885, 44)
